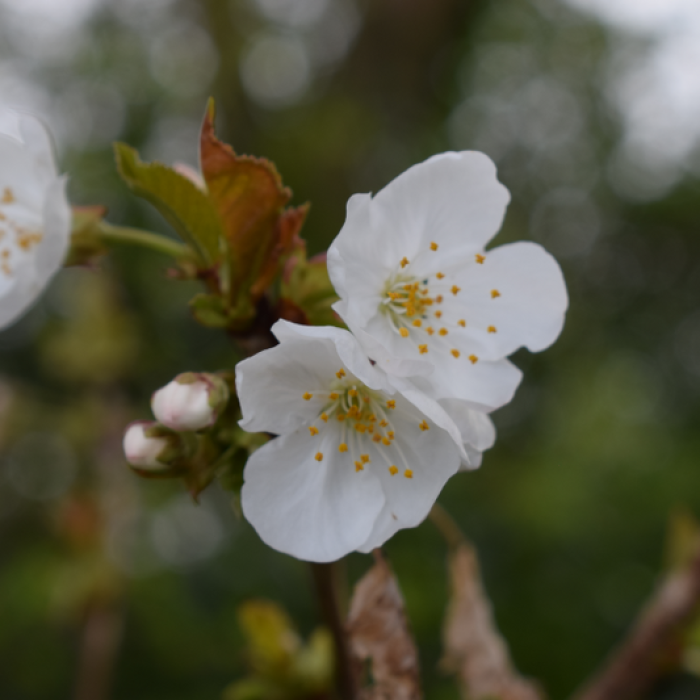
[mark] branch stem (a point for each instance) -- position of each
(145, 239)
(326, 580)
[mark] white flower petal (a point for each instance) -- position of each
(476, 428)
(385, 527)
(316, 511)
(530, 305)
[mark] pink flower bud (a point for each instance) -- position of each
(141, 450)
(192, 401)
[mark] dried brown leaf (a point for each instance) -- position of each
(473, 647)
(378, 631)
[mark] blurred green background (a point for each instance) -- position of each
(591, 111)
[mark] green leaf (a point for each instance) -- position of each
(186, 208)
(210, 311)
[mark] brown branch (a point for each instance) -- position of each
(325, 578)
(634, 666)
(102, 633)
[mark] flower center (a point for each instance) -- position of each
(14, 237)
(365, 422)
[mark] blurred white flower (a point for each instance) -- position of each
(141, 450)
(422, 295)
(360, 454)
(192, 401)
(35, 217)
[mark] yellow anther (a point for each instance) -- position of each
(408, 474)
(439, 275)
(342, 447)
(408, 287)
(352, 392)
(376, 437)
(424, 426)
(340, 417)
(360, 427)
(443, 331)
(455, 289)
(491, 329)
(495, 293)
(332, 396)
(480, 258)
(365, 399)
(433, 246)
(365, 459)
(424, 291)
(391, 434)
(340, 373)
(427, 302)
(404, 262)
(438, 298)
(358, 467)
(418, 323)
(371, 417)
(8, 196)
(370, 428)
(386, 441)
(394, 296)
(429, 330)
(455, 352)
(473, 359)
(313, 430)
(438, 314)
(391, 403)
(410, 310)
(319, 456)
(324, 417)
(308, 396)
(423, 349)
(384, 423)
(404, 332)
(462, 322)
(393, 470)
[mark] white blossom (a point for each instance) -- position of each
(360, 454)
(141, 450)
(425, 298)
(192, 401)
(35, 217)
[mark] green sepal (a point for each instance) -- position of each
(185, 207)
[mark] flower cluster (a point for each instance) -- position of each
(373, 422)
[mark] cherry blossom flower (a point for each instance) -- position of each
(192, 401)
(425, 298)
(35, 217)
(360, 454)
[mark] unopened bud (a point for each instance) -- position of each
(141, 449)
(192, 401)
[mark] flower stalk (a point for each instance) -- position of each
(127, 235)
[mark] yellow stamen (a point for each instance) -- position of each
(495, 293)
(391, 434)
(443, 331)
(439, 275)
(418, 323)
(319, 456)
(480, 258)
(324, 417)
(313, 430)
(371, 418)
(359, 467)
(455, 352)
(8, 196)
(403, 332)
(342, 447)
(394, 296)
(438, 298)
(376, 437)
(462, 322)
(491, 329)
(408, 474)
(340, 373)
(429, 330)
(386, 441)
(352, 392)
(365, 459)
(473, 359)
(423, 349)
(393, 470)
(307, 396)
(424, 426)
(404, 262)
(433, 246)
(340, 417)
(438, 314)
(360, 427)
(455, 289)
(332, 396)
(391, 403)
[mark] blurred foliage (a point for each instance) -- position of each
(569, 509)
